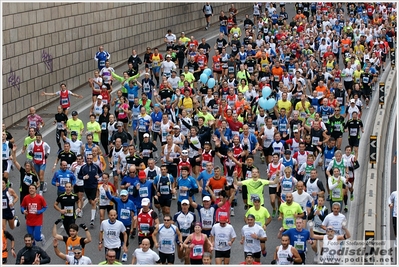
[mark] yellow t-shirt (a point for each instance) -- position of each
(302, 111)
(260, 215)
(288, 214)
(281, 104)
(208, 117)
(77, 126)
(356, 75)
(93, 127)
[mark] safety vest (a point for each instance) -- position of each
(337, 192)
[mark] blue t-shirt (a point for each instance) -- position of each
(190, 183)
(298, 239)
(205, 176)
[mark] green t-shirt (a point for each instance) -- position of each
(288, 214)
(208, 117)
(255, 188)
(105, 263)
(260, 215)
(27, 142)
(93, 127)
(77, 126)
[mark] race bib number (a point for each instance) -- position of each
(143, 192)
(69, 210)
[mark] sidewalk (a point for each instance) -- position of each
(47, 113)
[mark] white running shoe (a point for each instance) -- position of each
(43, 240)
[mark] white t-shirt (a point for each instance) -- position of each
(302, 199)
(222, 236)
(335, 222)
(145, 258)
(251, 244)
(111, 233)
(393, 198)
(82, 261)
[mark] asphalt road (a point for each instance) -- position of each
(91, 250)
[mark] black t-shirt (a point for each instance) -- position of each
(205, 46)
(165, 93)
(26, 179)
(133, 160)
(61, 117)
(124, 136)
(68, 202)
(69, 157)
(220, 43)
(179, 49)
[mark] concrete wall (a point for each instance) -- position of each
(45, 44)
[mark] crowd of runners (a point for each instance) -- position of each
(159, 140)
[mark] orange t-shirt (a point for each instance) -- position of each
(218, 184)
(346, 43)
(323, 90)
(277, 73)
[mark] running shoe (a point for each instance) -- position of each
(232, 212)
(16, 221)
(43, 239)
(346, 209)
(124, 257)
(264, 253)
(274, 214)
(352, 196)
(92, 223)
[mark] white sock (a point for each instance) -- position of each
(93, 214)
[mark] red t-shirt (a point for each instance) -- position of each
(234, 126)
(33, 205)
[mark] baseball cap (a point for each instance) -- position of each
(296, 131)
(125, 144)
(206, 198)
(146, 135)
(223, 219)
(250, 37)
(249, 254)
(142, 174)
(145, 202)
(176, 127)
(146, 73)
(168, 56)
(184, 152)
(99, 97)
(156, 105)
(119, 124)
(251, 216)
(256, 199)
(74, 133)
(124, 193)
(353, 100)
(74, 113)
(185, 201)
(287, 152)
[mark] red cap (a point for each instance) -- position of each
(142, 175)
(223, 219)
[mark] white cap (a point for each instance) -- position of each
(176, 127)
(206, 198)
(353, 100)
(146, 135)
(184, 152)
(145, 202)
(185, 201)
(99, 97)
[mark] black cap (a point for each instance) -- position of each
(74, 133)
(256, 199)
(249, 254)
(74, 113)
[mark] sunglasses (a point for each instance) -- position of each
(166, 220)
(337, 110)
(77, 253)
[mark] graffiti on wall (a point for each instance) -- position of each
(48, 60)
(14, 80)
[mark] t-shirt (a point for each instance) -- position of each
(260, 215)
(93, 127)
(145, 258)
(255, 188)
(27, 142)
(288, 212)
(77, 126)
(82, 261)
